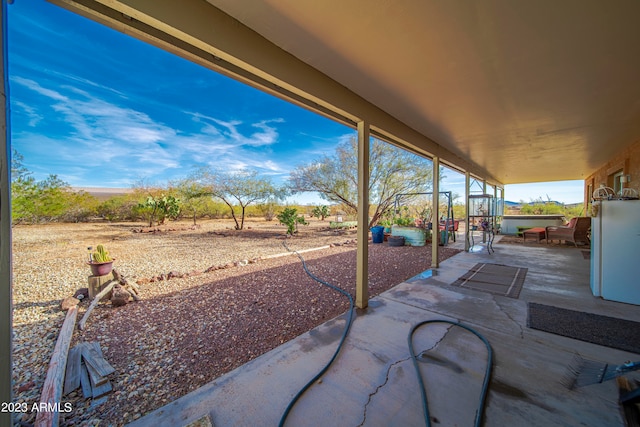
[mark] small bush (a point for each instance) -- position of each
(290, 218)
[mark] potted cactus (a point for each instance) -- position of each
(100, 261)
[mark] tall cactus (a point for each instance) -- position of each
(101, 255)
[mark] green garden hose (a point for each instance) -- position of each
(487, 375)
(342, 340)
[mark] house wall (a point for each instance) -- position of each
(627, 161)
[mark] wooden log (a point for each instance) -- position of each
(134, 293)
(135, 287)
(52, 388)
(97, 283)
(95, 302)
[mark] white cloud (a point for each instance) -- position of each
(33, 85)
(34, 117)
(101, 136)
(230, 130)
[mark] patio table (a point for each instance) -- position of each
(537, 232)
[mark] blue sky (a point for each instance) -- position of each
(102, 109)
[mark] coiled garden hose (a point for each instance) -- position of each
(342, 340)
(487, 375)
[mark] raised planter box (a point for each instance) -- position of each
(343, 224)
(514, 224)
(413, 236)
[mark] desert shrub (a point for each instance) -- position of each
(119, 208)
(214, 209)
(267, 210)
(320, 212)
(459, 210)
(80, 207)
(159, 208)
(290, 218)
(39, 201)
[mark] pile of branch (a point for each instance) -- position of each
(118, 291)
(131, 288)
(87, 368)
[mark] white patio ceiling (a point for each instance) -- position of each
(521, 91)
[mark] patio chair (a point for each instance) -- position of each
(453, 228)
(577, 230)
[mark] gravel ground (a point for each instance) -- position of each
(237, 300)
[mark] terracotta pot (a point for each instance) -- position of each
(101, 268)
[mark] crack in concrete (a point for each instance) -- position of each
(509, 316)
(386, 380)
(388, 374)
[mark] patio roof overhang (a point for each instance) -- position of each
(509, 91)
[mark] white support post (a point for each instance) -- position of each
(435, 220)
(467, 223)
(362, 264)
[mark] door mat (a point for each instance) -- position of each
(602, 330)
(495, 279)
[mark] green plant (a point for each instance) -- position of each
(101, 255)
(386, 223)
(290, 218)
(320, 212)
(161, 208)
(403, 218)
(404, 221)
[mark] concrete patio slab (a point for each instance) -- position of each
(373, 381)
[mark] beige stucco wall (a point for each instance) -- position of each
(628, 160)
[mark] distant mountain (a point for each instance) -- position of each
(553, 202)
(103, 193)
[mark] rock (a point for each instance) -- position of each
(69, 302)
(82, 293)
(119, 296)
(26, 386)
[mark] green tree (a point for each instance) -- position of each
(52, 198)
(80, 206)
(160, 208)
(122, 207)
(268, 209)
(240, 189)
(155, 203)
(36, 201)
(23, 190)
(290, 218)
(540, 207)
(320, 212)
(393, 172)
(193, 195)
